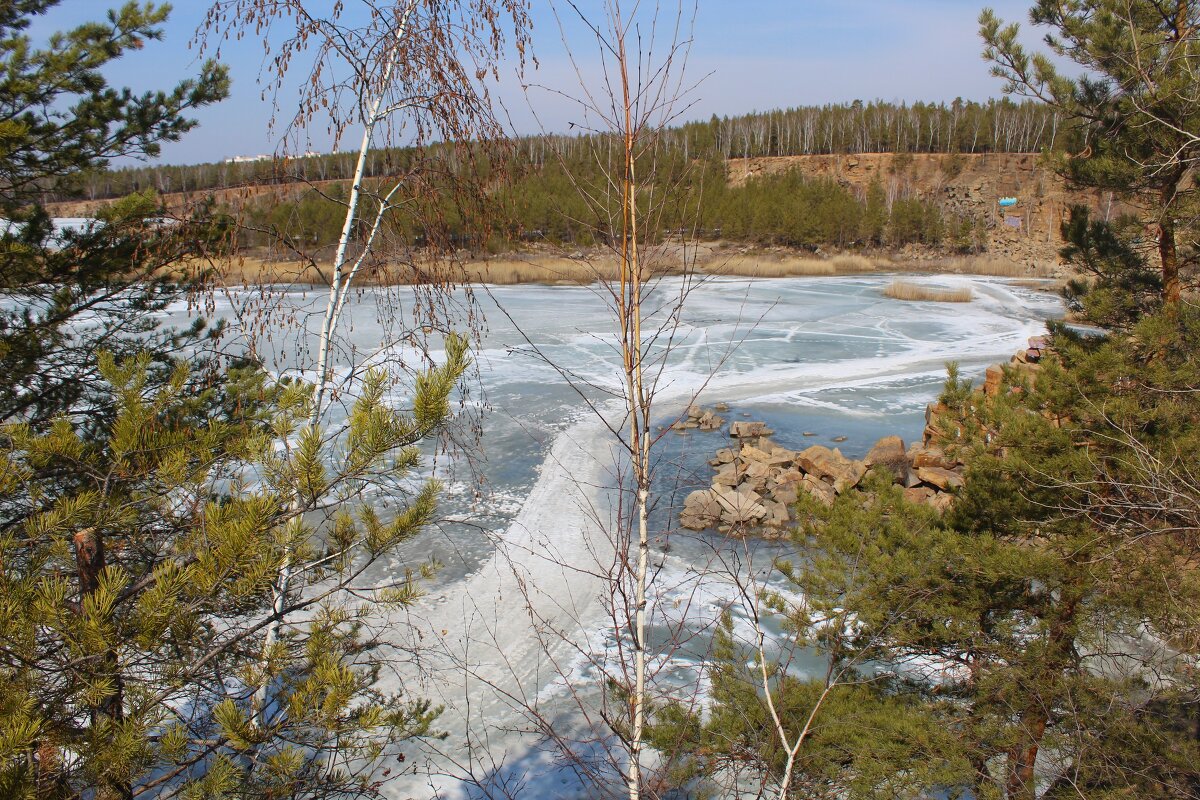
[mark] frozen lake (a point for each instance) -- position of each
(521, 614)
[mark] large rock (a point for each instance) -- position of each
(728, 475)
(709, 421)
(832, 466)
(723, 456)
(777, 514)
(889, 453)
(749, 491)
(756, 474)
(943, 479)
(851, 478)
(749, 452)
(1037, 348)
(785, 493)
(887, 450)
(770, 458)
(993, 378)
(918, 494)
(788, 476)
(812, 460)
(911, 479)
(740, 506)
(749, 430)
(782, 455)
(941, 501)
(819, 489)
(700, 510)
(930, 457)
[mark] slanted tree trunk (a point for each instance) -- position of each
(1167, 253)
(89, 565)
(1023, 758)
(344, 270)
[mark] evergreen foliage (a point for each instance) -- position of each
(1119, 286)
(545, 206)
(147, 504)
(869, 730)
(135, 602)
(1047, 624)
(59, 118)
(1133, 107)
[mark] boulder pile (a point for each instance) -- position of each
(756, 480)
(700, 419)
(1024, 362)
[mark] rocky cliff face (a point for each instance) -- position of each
(965, 185)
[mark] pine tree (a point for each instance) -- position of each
(58, 119)
(1072, 542)
(133, 608)
(1138, 125)
(147, 506)
(1120, 287)
(875, 215)
(1047, 621)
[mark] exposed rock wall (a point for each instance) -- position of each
(967, 185)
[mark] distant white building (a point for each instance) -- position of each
(252, 159)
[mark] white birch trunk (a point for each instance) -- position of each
(339, 286)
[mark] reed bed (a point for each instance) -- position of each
(250, 271)
(538, 268)
(253, 271)
(852, 263)
(751, 267)
(507, 272)
(789, 266)
(903, 290)
(996, 267)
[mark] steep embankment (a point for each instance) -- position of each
(962, 185)
(234, 197)
(966, 185)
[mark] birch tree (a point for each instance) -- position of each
(407, 71)
(643, 226)
(149, 511)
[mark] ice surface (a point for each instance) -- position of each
(520, 613)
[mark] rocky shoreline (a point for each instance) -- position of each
(757, 481)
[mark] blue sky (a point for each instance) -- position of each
(750, 54)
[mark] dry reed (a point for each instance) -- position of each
(507, 272)
(752, 266)
(903, 290)
(250, 270)
(853, 263)
(996, 267)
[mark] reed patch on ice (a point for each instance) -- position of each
(903, 290)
